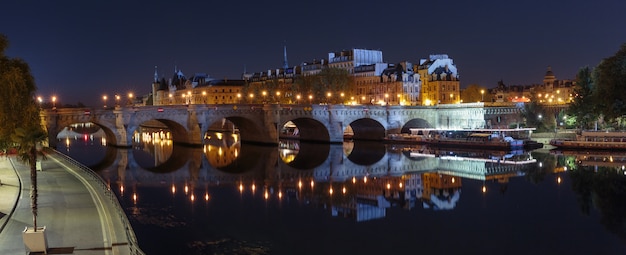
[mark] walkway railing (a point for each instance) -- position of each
(106, 189)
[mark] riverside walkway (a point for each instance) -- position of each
(81, 215)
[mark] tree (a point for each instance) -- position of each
(536, 116)
(610, 85)
(474, 93)
(28, 140)
(17, 101)
(19, 115)
(582, 108)
(328, 80)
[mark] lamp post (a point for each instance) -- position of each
(298, 99)
(310, 99)
(329, 97)
(130, 98)
(104, 98)
(482, 95)
(54, 102)
(264, 93)
(239, 98)
(278, 96)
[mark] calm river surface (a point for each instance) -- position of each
(360, 198)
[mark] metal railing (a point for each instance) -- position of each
(106, 190)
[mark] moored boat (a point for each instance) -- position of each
(593, 140)
(500, 139)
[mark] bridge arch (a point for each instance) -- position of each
(415, 123)
(367, 129)
(310, 130)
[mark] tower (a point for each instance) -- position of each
(285, 63)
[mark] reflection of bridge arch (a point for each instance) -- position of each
(367, 153)
(309, 155)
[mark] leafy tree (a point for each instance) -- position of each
(535, 116)
(582, 108)
(610, 85)
(19, 115)
(328, 80)
(17, 101)
(473, 93)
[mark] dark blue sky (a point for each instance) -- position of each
(80, 50)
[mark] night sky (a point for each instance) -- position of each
(81, 50)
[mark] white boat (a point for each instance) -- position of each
(594, 140)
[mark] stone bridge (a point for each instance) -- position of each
(262, 124)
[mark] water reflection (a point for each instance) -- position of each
(361, 182)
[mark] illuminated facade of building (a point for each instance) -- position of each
(440, 80)
(198, 89)
(375, 82)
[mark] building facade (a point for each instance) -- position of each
(440, 80)
(198, 89)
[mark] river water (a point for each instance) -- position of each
(360, 198)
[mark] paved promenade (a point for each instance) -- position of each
(79, 216)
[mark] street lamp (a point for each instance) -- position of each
(328, 97)
(482, 95)
(386, 99)
(297, 99)
(104, 98)
(117, 100)
(238, 98)
(54, 102)
(310, 99)
(130, 98)
(264, 93)
(278, 96)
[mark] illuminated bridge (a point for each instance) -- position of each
(262, 124)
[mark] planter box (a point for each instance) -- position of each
(35, 241)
